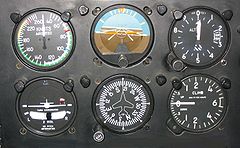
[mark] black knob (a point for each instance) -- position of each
(19, 86)
(177, 84)
(161, 80)
(15, 17)
(177, 65)
(226, 83)
(85, 81)
(228, 14)
(177, 15)
(68, 86)
(66, 16)
(162, 9)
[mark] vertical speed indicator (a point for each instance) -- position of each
(200, 38)
(199, 105)
(42, 40)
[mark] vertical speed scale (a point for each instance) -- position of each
(199, 105)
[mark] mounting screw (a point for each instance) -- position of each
(177, 84)
(147, 10)
(226, 83)
(161, 80)
(228, 14)
(83, 10)
(72, 130)
(19, 86)
(23, 131)
(220, 128)
(96, 11)
(68, 86)
(147, 61)
(97, 62)
(162, 9)
(98, 135)
(15, 17)
(147, 127)
(224, 62)
(85, 81)
(178, 15)
(98, 81)
(19, 66)
(148, 80)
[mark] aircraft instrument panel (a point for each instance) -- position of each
(120, 74)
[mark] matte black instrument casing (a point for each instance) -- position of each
(156, 134)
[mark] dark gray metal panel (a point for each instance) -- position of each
(81, 63)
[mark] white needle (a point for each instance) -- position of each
(199, 27)
(179, 103)
(43, 26)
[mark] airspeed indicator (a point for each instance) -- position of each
(42, 40)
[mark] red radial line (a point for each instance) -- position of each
(66, 31)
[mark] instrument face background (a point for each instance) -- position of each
(199, 105)
(122, 30)
(155, 132)
(201, 37)
(46, 113)
(123, 103)
(42, 40)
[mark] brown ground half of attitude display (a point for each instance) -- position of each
(106, 47)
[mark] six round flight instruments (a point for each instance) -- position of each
(121, 36)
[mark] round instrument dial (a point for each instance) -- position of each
(45, 108)
(42, 41)
(200, 38)
(199, 105)
(122, 31)
(123, 103)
